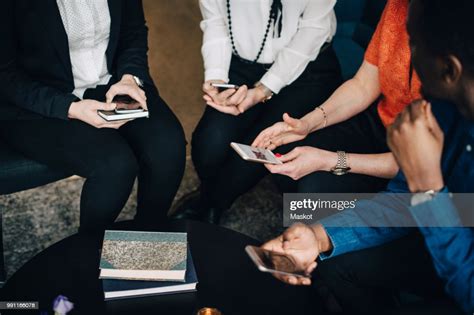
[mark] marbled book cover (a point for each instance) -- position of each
(142, 253)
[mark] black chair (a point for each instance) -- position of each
(18, 173)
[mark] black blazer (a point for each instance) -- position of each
(35, 66)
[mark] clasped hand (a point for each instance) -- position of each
(416, 141)
(231, 101)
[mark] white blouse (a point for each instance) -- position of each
(307, 26)
(87, 25)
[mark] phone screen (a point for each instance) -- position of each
(126, 104)
(273, 261)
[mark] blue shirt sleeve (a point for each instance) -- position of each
(451, 247)
(373, 222)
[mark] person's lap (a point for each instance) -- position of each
(230, 175)
(152, 148)
(370, 281)
(245, 175)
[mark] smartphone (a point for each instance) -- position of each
(252, 154)
(126, 105)
(273, 262)
(127, 115)
(221, 86)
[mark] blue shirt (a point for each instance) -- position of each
(451, 245)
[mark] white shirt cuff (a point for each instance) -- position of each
(216, 74)
(271, 81)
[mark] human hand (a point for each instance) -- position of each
(302, 161)
(226, 101)
(416, 141)
(301, 244)
(288, 131)
(86, 111)
(127, 86)
(253, 97)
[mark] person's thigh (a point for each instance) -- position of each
(370, 281)
(313, 87)
(215, 131)
(160, 147)
(101, 156)
(158, 138)
(68, 145)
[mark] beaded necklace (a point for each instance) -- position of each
(276, 6)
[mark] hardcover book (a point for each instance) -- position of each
(121, 289)
(152, 256)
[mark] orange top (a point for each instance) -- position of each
(389, 50)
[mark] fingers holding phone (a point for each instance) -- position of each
(87, 111)
(217, 93)
(127, 86)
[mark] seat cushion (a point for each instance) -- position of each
(19, 173)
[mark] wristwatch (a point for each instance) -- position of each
(267, 91)
(422, 197)
(138, 81)
(341, 167)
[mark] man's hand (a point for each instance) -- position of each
(127, 86)
(416, 141)
(302, 245)
(302, 161)
(86, 111)
(288, 131)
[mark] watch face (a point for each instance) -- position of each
(340, 171)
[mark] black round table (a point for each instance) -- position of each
(228, 280)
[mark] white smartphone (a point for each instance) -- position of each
(252, 154)
(113, 116)
(273, 262)
(223, 86)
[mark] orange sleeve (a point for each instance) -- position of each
(373, 50)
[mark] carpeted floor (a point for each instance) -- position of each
(37, 218)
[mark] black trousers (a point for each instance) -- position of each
(225, 176)
(373, 281)
(152, 149)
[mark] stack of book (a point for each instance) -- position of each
(137, 264)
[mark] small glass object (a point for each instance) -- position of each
(208, 311)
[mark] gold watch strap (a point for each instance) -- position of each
(268, 93)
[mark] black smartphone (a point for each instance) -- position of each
(126, 104)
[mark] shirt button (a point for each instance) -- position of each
(468, 148)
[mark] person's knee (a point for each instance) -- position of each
(208, 147)
(328, 274)
(119, 165)
(166, 149)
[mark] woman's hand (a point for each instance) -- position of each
(252, 98)
(301, 244)
(226, 101)
(86, 111)
(287, 131)
(127, 86)
(302, 161)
